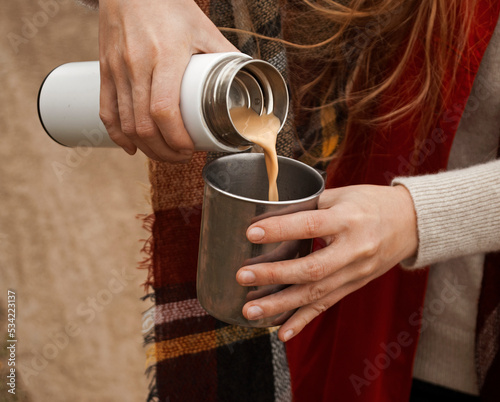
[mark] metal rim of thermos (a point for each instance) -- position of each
(266, 92)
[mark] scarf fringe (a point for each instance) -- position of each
(147, 249)
(153, 395)
(150, 339)
(148, 315)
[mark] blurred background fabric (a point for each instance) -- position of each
(69, 237)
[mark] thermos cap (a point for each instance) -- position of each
(241, 81)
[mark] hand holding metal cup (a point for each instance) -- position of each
(235, 197)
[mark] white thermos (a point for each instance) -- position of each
(68, 101)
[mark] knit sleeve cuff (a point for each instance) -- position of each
(458, 213)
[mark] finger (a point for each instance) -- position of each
(126, 104)
(319, 295)
(164, 108)
(290, 298)
(304, 315)
(108, 112)
(299, 225)
(295, 296)
(311, 268)
(285, 251)
(146, 129)
(121, 127)
(262, 291)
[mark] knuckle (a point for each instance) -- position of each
(104, 66)
(319, 307)
(303, 321)
(316, 292)
(130, 59)
(367, 270)
(280, 230)
(315, 270)
(145, 130)
(370, 247)
(107, 118)
(162, 109)
(344, 223)
(344, 217)
(110, 60)
(141, 93)
(354, 218)
(128, 128)
(311, 225)
(272, 277)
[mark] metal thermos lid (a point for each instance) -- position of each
(242, 82)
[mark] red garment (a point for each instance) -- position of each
(362, 349)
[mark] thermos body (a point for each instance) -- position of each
(68, 105)
(68, 101)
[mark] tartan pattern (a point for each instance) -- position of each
(196, 357)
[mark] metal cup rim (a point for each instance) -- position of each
(263, 202)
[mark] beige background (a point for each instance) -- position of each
(69, 238)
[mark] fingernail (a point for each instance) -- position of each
(288, 335)
(246, 277)
(254, 312)
(256, 234)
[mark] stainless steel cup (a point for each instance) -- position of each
(236, 191)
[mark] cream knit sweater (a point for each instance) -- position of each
(458, 218)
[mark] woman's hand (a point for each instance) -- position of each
(367, 230)
(144, 49)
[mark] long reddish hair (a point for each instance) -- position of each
(345, 56)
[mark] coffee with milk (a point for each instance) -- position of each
(261, 130)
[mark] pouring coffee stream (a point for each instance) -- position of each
(261, 130)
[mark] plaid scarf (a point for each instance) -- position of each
(192, 356)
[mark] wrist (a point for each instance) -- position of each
(408, 220)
